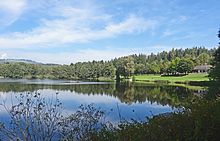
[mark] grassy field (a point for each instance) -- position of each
(187, 78)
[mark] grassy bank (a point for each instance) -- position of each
(173, 79)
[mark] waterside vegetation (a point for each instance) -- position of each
(171, 63)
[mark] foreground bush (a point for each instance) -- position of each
(201, 123)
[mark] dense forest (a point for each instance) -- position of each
(167, 62)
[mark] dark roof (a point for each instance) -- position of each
(203, 67)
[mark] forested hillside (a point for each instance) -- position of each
(166, 62)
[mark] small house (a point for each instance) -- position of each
(202, 68)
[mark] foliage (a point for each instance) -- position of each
(173, 66)
(203, 59)
(81, 124)
(169, 63)
(215, 72)
(201, 122)
(86, 70)
(184, 66)
(33, 118)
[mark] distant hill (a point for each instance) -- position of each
(18, 61)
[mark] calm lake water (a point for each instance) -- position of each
(124, 100)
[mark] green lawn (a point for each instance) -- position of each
(189, 77)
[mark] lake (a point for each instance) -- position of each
(118, 101)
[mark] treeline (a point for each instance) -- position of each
(166, 62)
(86, 70)
(172, 62)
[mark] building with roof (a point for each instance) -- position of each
(202, 69)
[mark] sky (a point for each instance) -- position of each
(66, 31)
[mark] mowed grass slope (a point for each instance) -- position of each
(186, 78)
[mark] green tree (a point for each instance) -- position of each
(164, 66)
(139, 69)
(129, 66)
(154, 67)
(173, 66)
(120, 68)
(185, 66)
(108, 70)
(215, 72)
(203, 59)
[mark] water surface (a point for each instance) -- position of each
(118, 101)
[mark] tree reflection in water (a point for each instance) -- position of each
(35, 118)
(174, 96)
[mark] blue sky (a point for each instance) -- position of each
(65, 31)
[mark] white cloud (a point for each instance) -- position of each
(75, 25)
(3, 56)
(130, 25)
(11, 10)
(68, 24)
(13, 5)
(169, 33)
